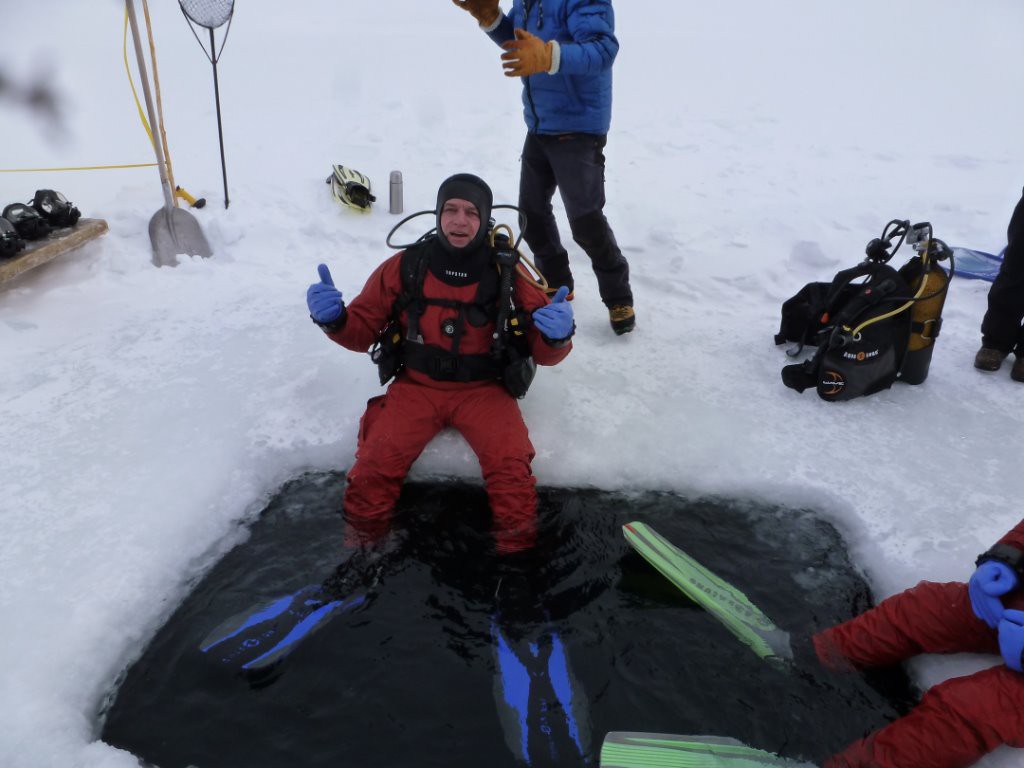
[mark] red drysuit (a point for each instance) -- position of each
(397, 426)
(957, 721)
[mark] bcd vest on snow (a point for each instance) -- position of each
(874, 332)
(508, 360)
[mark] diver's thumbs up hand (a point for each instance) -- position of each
(555, 319)
(325, 275)
(323, 299)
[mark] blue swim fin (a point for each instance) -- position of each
(977, 265)
(542, 708)
(260, 637)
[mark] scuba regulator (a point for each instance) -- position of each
(518, 370)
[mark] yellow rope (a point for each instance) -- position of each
(78, 168)
(142, 115)
(127, 68)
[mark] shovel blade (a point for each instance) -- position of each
(175, 231)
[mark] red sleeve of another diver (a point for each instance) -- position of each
(1015, 537)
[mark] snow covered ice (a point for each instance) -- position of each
(149, 413)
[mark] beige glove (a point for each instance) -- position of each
(526, 55)
(484, 11)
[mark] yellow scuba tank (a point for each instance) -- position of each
(930, 283)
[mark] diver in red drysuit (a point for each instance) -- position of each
(450, 379)
(962, 719)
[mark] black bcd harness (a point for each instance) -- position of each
(508, 359)
(872, 333)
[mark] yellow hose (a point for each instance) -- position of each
(920, 292)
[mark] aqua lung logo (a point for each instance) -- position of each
(831, 384)
(247, 645)
(860, 357)
(748, 615)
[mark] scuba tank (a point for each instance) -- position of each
(932, 281)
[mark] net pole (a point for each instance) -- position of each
(220, 130)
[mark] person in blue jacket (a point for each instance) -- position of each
(564, 50)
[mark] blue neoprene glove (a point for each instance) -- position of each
(1011, 638)
(555, 319)
(323, 299)
(990, 581)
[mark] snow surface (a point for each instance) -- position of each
(149, 413)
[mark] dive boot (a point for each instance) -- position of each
(1017, 372)
(622, 318)
(55, 208)
(28, 222)
(989, 359)
(10, 240)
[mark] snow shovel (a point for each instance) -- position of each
(172, 230)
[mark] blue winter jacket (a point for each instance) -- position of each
(578, 98)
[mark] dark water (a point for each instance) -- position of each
(408, 681)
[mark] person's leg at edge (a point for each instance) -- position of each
(578, 162)
(490, 421)
(393, 431)
(536, 189)
(956, 723)
(928, 618)
(1001, 326)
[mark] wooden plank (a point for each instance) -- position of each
(50, 247)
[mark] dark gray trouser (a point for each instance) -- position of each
(573, 162)
(1001, 328)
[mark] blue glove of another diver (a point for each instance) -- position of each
(324, 300)
(555, 319)
(1011, 638)
(991, 580)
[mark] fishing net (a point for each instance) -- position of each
(208, 13)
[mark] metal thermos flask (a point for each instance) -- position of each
(396, 192)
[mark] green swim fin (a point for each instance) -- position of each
(624, 749)
(717, 596)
